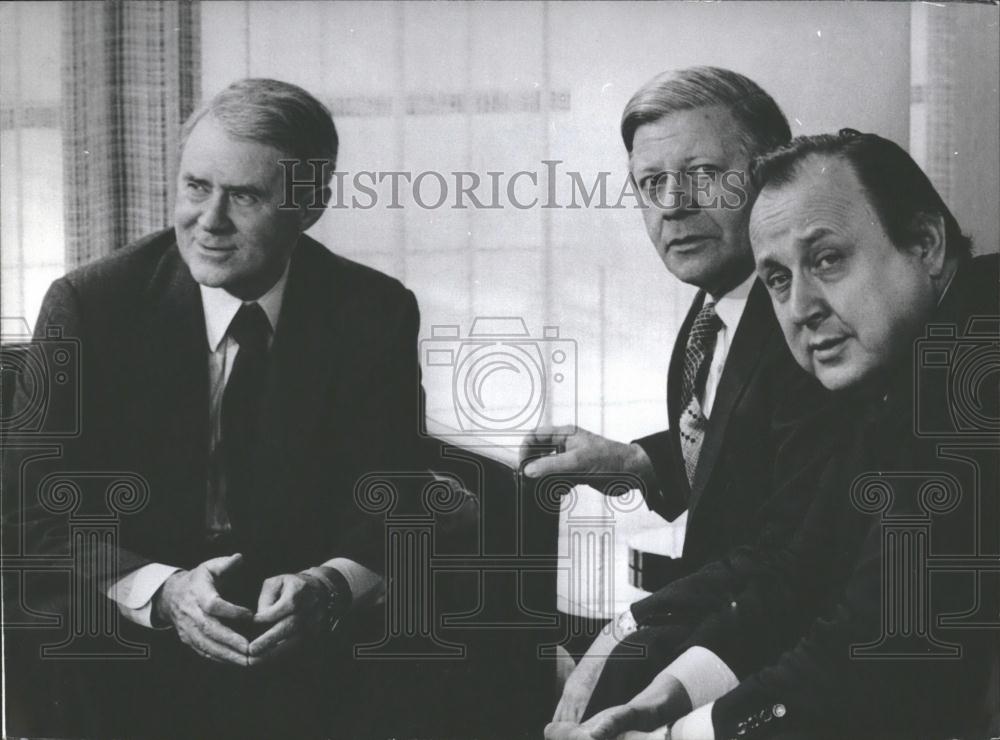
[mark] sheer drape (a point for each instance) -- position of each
(131, 75)
(955, 54)
(31, 120)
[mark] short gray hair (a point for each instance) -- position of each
(762, 124)
(275, 113)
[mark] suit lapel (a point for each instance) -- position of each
(752, 333)
(309, 341)
(175, 364)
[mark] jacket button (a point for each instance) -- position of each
(778, 710)
(732, 604)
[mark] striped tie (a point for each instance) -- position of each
(697, 359)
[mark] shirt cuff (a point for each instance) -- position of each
(695, 726)
(134, 593)
(703, 674)
(366, 585)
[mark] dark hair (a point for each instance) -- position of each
(897, 188)
(275, 113)
(762, 124)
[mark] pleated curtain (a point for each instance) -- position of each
(131, 75)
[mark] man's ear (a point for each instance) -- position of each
(929, 242)
(309, 216)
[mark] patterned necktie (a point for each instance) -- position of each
(697, 359)
(241, 401)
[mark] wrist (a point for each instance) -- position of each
(664, 701)
(338, 593)
(625, 625)
(159, 613)
(639, 464)
(602, 645)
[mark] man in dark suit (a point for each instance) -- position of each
(733, 389)
(250, 377)
(848, 631)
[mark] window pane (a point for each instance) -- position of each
(9, 49)
(42, 191)
(36, 282)
(12, 305)
(39, 34)
(31, 188)
(10, 200)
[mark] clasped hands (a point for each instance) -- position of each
(644, 717)
(291, 609)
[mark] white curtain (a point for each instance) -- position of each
(131, 75)
(31, 160)
(955, 58)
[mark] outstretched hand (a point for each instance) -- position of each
(584, 457)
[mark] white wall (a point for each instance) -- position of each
(975, 189)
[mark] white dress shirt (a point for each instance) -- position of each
(729, 308)
(696, 725)
(703, 674)
(134, 592)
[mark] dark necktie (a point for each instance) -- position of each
(697, 359)
(241, 402)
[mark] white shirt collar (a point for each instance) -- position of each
(220, 308)
(729, 306)
(947, 286)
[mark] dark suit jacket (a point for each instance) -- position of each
(792, 614)
(762, 395)
(342, 400)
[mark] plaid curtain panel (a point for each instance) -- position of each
(131, 75)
